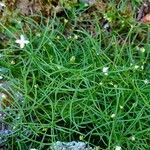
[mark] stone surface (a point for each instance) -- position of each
(89, 2)
(71, 146)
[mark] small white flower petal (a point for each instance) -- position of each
(113, 116)
(142, 49)
(111, 83)
(38, 34)
(3, 96)
(22, 37)
(138, 48)
(65, 21)
(118, 147)
(121, 107)
(26, 42)
(146, 81)
(142, 67)
(105, 70)
(132, 138)
(76, 36)
(36, 85)
(136, 67)
(101, 83)
(17, 41)
(22, 45)
(131, 64)
(12, 62)
(115, 86)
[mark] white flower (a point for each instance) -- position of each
(1, 77)
(132, 138)
(111, 83)
(146, 81)
(12, 62)
(76, 36)
(38, 34)
(131, 26)
(69, 37)
(2, 4)
(36, 85)
(65, 21)
(105, 70)
(81, 137)
(113, 116)
(136, 67)
(142, 49)
(3, 96)
(118, 148)
(121, 107)
(115, 86)
(101, 83)
(131, 64)
(18, 118)
(22, 41)
(57, 37)
(142, 67)
(97, 53)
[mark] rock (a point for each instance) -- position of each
(89, 2)
(71, 146)
(2, 6)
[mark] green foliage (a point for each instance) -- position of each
(66, 94)
(69, 4)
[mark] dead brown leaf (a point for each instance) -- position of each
(146, 18)
(143, 10)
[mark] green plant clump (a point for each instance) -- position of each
(76, 83)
